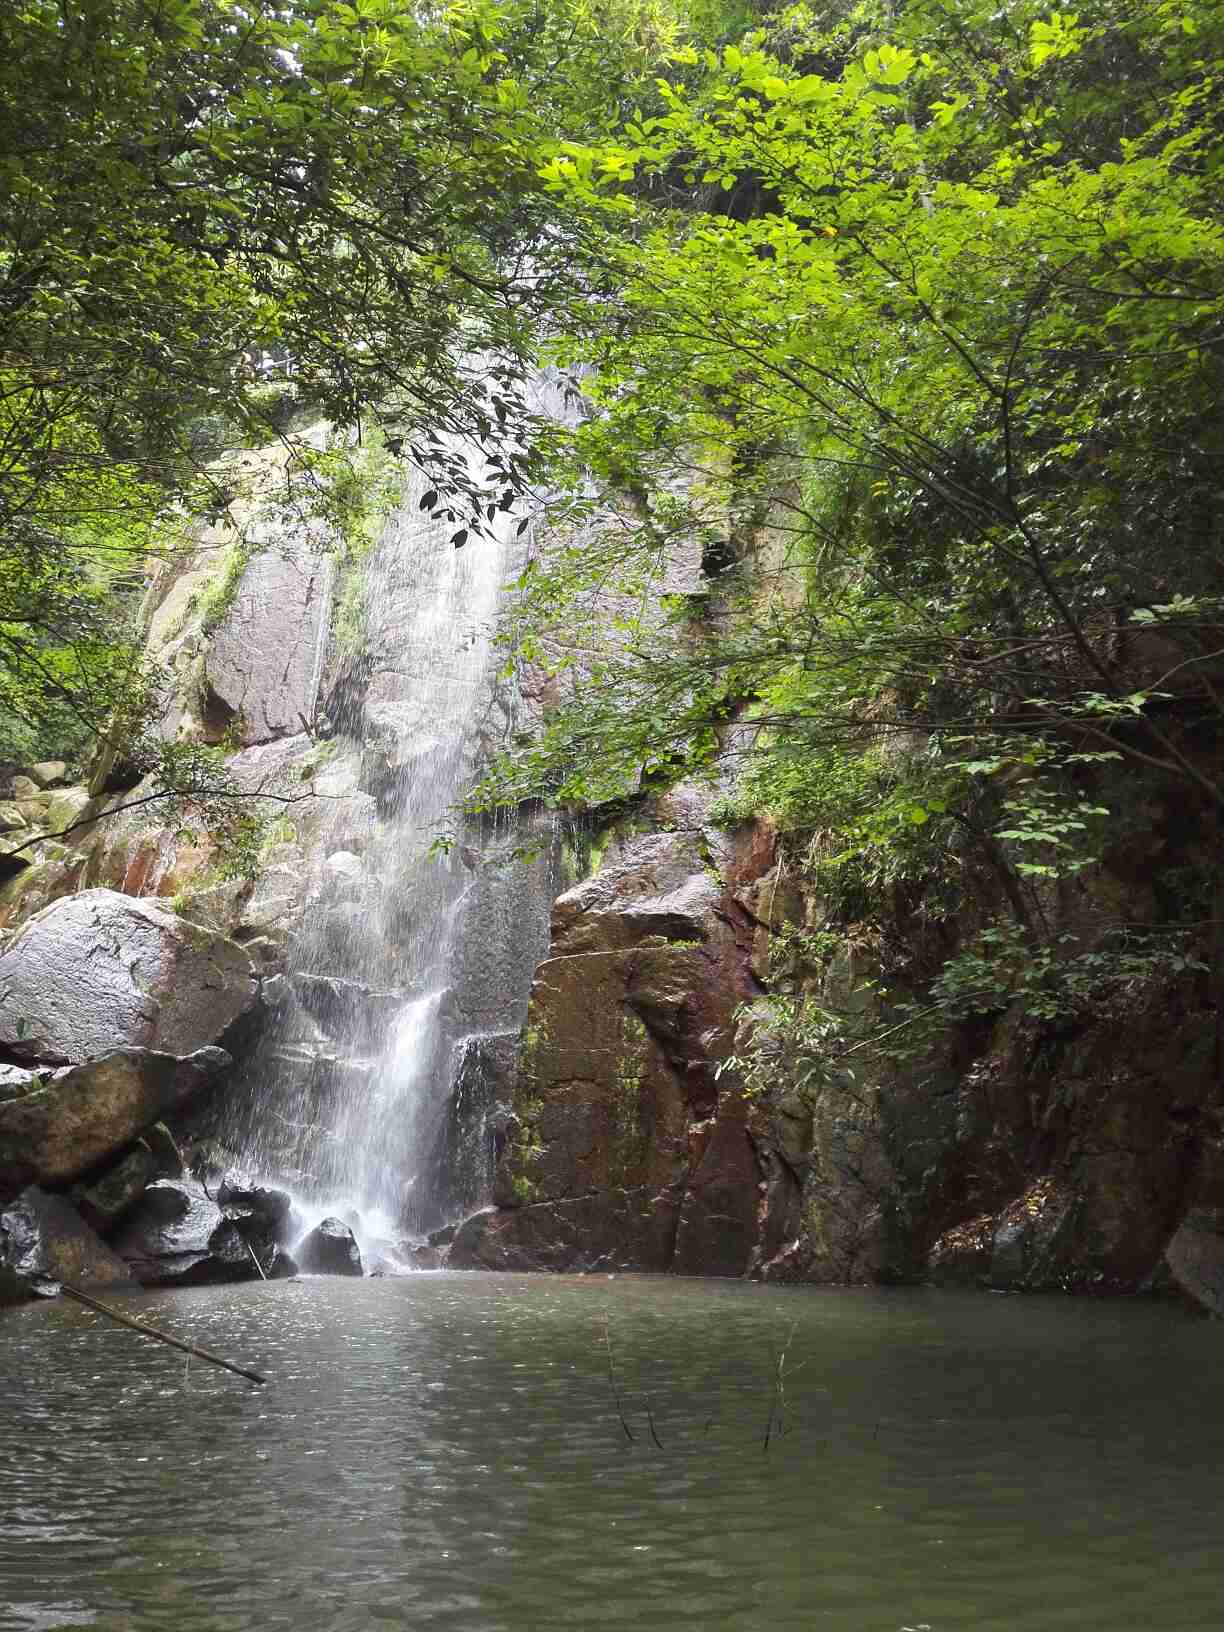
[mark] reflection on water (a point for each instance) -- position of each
(448, 1452)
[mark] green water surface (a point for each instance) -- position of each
(447, 1451)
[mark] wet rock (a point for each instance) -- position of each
(16, 1080)
(347, 1009)
(104, 1198)
(11, 819)
(103, 1202)
(167, 1157)
(260, 665)
(180, 1235)
(477, 1125)
(615, 1229)
(426, 1257)
(78, 1117)
(98, 971)
(330, 1249)
(166, 1239)
(1052, 1238)
(275, 992)
(43, 1241)
(271, 1206)
(718, 1224)
(342, 866)
(963, 1255)
(1195, 1257)
(245, 1248)
(656, 885)
(599, 1105)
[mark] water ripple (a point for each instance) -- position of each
(447, 1452)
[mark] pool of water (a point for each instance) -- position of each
(454, 1452)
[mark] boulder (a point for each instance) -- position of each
(330, 1249)
(260, 1201)
(179, 1235)
(1195, 1256)
(98, 971)
(166, 1238)
(43, 1241)
(48, 772)
(21, 787)
(67, 807)
(77, 1118)
(264, 1240)
(104, 1201)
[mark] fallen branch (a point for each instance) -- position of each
(151, 1331)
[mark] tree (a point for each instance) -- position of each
(203, 197)
(930, 305)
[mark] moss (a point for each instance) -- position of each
(219, 597)
(281, 831)
(348, 618)
(628, 1134)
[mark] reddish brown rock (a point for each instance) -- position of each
(628, 1146)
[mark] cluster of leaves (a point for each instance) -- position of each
(907, 326)
(980, 297)
(213, 211)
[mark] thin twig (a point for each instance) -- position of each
(629, 1435)
(151, 1331)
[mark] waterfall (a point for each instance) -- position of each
(408, 979)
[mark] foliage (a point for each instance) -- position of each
(981, 296)
(906, 327)
(211, 213)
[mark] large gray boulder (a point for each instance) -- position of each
(44, 1241)
(98, 971)
(78, 1117)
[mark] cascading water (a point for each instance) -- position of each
(409, 976)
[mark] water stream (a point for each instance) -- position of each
(411, 964)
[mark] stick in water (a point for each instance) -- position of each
(151, 1331)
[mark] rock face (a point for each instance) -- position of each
(43, 1241)
(627, 1148)
(262, 663)
(79, 1116)
(1012, 1153)
(98, 971)
(329, 1249)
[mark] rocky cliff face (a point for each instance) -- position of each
(619, 1129)
(324, 675)
(1083, 1153)
(623, 1147)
